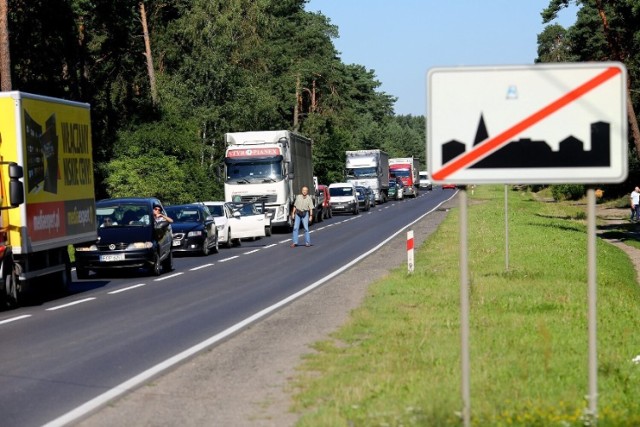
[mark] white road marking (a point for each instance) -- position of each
(200, 266)
(70, 304)
(13, 319)
(160, 279)
(228, 259)
(250, 252)
(126, 289)
(271, 245)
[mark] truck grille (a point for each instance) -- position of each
(271, 198)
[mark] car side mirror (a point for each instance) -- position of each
(236, 214)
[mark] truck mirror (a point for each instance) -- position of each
(16, 192)
(15, 171)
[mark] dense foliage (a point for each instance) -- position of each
(605, 30)
(220, 66)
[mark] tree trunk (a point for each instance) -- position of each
(5, 54)
(296, 107)
(619, 54)
(147, 45)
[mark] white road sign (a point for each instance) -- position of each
(545, 124)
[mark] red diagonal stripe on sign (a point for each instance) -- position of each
(502, 139)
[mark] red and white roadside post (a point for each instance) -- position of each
(410, 264)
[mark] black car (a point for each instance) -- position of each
(194, 229)
(364, 201)
(128, 237)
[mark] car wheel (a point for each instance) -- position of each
(330, 212)
(156, 267)
(229, 242)
(267, 231)
(205, 248)
(216, 246)
(167, 265)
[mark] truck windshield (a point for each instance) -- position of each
(402, 173)
(254, 171)
(369, 172)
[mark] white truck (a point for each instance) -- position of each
(268, 167)
(47, 174)
(406, 168)
(369, 168)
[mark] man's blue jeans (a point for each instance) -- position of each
(296, 229)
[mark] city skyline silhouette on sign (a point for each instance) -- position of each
(528, 153)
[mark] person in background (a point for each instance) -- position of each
(302, 211)
(635, 201)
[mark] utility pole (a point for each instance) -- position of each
(5, 56)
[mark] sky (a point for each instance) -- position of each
(401, 40)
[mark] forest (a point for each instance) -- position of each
(166, 79)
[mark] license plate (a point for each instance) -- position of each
(177, 242)
(108, 258)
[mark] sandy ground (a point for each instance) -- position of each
(244, 381)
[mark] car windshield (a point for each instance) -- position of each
(114, 215)
(216, 210)
(245, 209)
(184, 214)
(367, 172)
(340, 191)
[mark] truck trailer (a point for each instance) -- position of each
(47, 169)
(369, 168)
(268, 167)
(407, 169)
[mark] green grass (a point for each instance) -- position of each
(397, 361)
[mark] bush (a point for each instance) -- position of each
(567, 191)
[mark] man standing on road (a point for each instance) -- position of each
(635, 201)
(303, 211)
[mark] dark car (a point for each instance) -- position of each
(194, 229)
(364, 202)
(323, 203)
(128, 237)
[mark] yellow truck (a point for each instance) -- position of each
(47, 198)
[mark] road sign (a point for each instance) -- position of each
(543, 124)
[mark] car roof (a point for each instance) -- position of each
(130, 200)
(187, 205)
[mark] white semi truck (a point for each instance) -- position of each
(268, 167)
(369, 168)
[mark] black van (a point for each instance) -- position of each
(128, 237)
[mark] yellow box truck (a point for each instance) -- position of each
(47, 199)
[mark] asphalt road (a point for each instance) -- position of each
(115, 334)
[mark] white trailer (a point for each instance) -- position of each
(369, 168)
(269, 167)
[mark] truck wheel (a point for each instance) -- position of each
(65, 280)
(12, 289)
(82, 273)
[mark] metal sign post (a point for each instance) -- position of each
(539, 124)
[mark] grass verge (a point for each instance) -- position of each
(397, 361)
